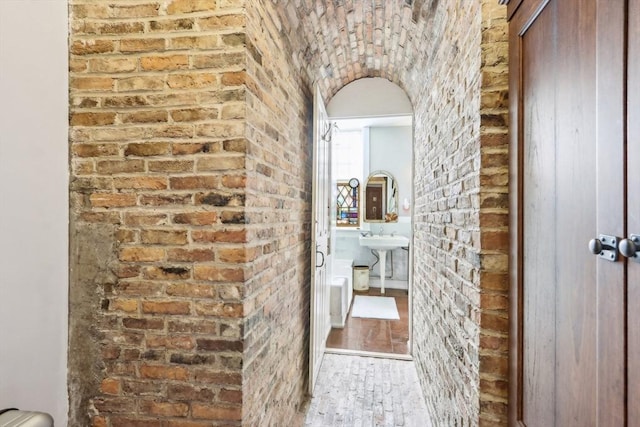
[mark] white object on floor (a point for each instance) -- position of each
(341, 290)
(361, 277)
(343, 268)
(338, 301)
(375, 307)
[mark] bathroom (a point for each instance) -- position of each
(372, 176)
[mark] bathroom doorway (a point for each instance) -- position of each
(372, 180)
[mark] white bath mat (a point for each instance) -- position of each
(375, 307)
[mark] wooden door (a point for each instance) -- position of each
(320, 321)
(633, 211)
(611, 373)
(569, 316)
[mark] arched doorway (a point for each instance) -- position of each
(373, 140)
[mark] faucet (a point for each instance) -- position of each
(381, 230)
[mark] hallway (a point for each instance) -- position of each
(367, 391)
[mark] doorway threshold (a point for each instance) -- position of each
(346, 352)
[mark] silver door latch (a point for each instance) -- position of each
(605, 247)
(631, 247)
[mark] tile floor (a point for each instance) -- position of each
(367, 392)
(375, 335)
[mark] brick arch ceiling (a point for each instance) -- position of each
(336, 42)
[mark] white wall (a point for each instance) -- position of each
(33, 206)
(390, 149)
(369, 97)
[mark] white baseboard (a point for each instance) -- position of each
(374, 282)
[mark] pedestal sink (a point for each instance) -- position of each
(382, 244)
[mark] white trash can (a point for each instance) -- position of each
(361, 278)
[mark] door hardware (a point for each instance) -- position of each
(322, 263)
(605, 247)
(631, 247)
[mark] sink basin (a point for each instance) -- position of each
(385, 242)
(382, 244)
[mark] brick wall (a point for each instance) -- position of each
(158, 205)
(190, 167)
(446, 219)
(279, 214)
(460, 223)
(494, 217)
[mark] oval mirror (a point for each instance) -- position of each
(381, 198)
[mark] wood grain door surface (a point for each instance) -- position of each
(574, 128)
(633, 210)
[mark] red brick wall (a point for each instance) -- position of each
(494, 217)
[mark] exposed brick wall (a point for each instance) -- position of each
(460, 222)
(494, 217)
(278, 213)
(158, 167)
(446, 218)
(190, 164)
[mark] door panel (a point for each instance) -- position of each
(320, 321)
(567, 332)
(575, 272)
(633, 212)
(539, 220)
(610, 210)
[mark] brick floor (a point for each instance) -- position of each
(367, 391)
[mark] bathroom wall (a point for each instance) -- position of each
(390, 150)
(34, 206)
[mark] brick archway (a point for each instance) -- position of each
(438, 53)
(190, 200)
